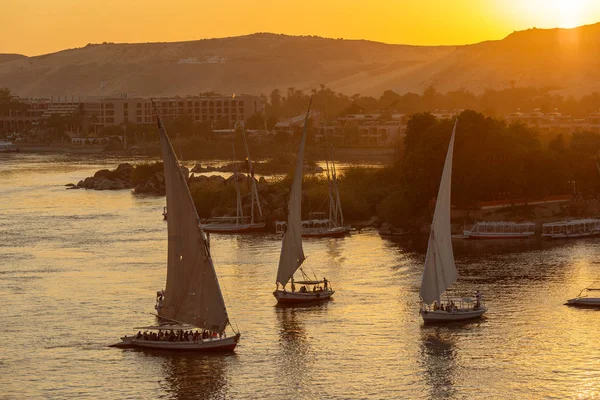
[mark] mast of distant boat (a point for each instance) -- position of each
(254, 189)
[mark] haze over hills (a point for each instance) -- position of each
(567, 60)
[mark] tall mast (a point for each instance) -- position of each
(254, 189)
(239, 211)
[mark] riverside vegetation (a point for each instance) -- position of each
(493, 161)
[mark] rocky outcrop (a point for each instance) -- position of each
(118, 179)
(154, 185)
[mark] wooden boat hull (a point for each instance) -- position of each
(445, 316)
(233, 229)
(285, 297)
(205, 345)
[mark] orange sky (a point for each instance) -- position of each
(41, 26)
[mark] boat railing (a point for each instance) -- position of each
(461, 304)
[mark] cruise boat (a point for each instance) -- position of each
(500, 230)
(8, 147)
(577, 228)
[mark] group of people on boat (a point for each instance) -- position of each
(179, 336)
(451, 307)
(315, 288)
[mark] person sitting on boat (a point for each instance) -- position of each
(303, 289)
(435, 306)
(325, 282)
(442, 307)
(139, 335)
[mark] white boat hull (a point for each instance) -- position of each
(445, 316)
(286, 297)
(570, 235)
(497, 235)
(213, 344)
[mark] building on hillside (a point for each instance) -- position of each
(226, 110)
(377, 129)
(296, 124)
(554, 122)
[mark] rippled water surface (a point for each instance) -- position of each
(80, 268)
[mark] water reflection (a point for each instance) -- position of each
(295, 357)
(192, 375)
(438, 357)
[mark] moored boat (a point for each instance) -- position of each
(192, 299)
(240, 223)
(440, 270)
(500, 230)
(577, 228)
(292, 253)
(588, 297)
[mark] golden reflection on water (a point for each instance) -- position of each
(78, 269)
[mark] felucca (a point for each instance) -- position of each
(440, 271)
(292, 253)
(239, 223)
(193, 302)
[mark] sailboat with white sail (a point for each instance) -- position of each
(292, 253)
(193, 302)
(440, 270)
(241, 223)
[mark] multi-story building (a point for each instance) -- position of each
(372, 129)
(227, 110)
(555, 122)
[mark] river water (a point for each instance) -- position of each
(78, 269)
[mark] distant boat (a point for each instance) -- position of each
(440, 271)
(240, 223)
(193, 298)
(292, 253)
(588, 297)
(164, 214)
(577, 228)
(8, 147)
(500, 230)
(321, 224)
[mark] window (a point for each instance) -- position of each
(218, 111)
(110, 112)
(241, 103)
(110, 120)
(139, 119)
(139, 112)
(226, 110)
(219, 103)
(139, 105)
(232, 103)
(125, 106)
(110, 105)
(241, 110)
(125, 113)
(204, 103)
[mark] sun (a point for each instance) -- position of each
(569, 13)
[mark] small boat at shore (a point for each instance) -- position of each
(500, 230)
(8, 147)
(292, 253)
(440, 270)
(240, 223)
(588, 297)
(577, 228)
(192, 301)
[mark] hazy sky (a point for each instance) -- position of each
(35, 27)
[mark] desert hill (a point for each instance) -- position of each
(567, 60)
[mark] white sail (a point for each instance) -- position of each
(440, 271)
(292, 254)
(192, 294)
